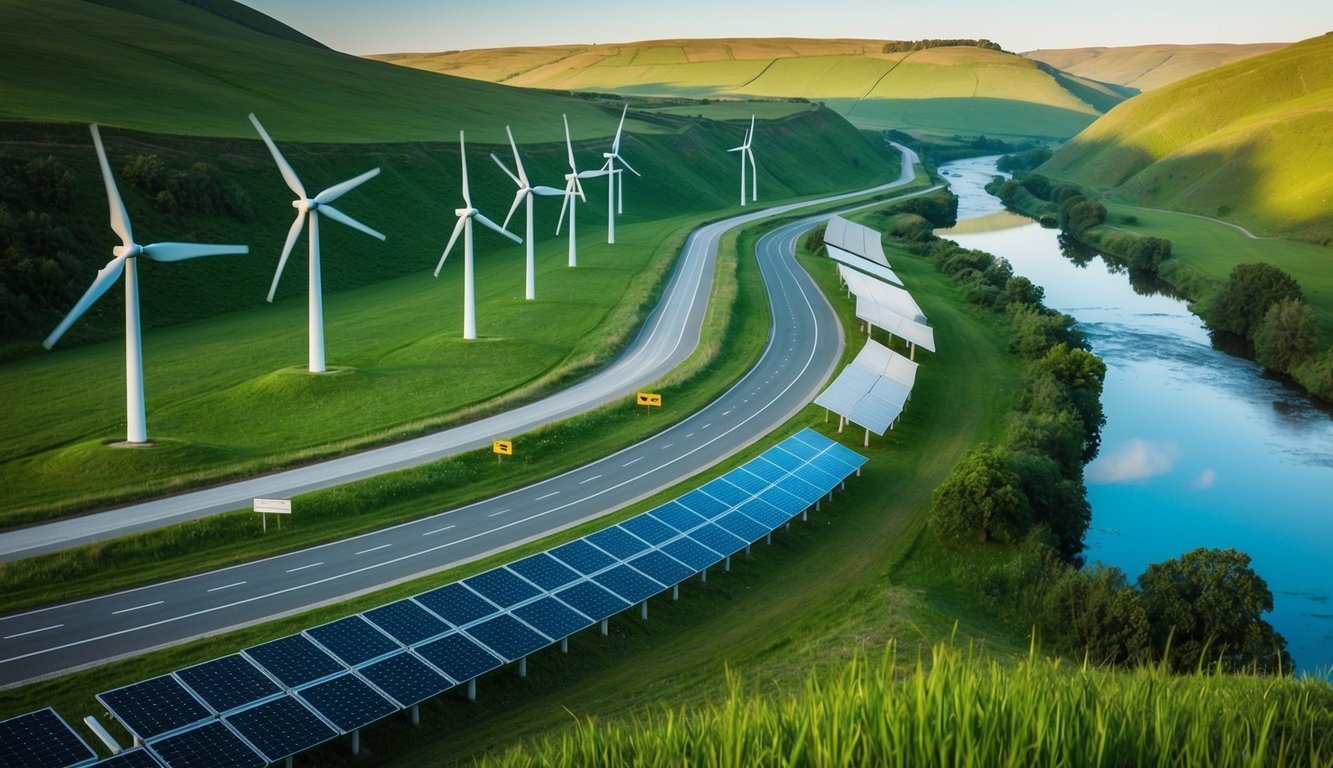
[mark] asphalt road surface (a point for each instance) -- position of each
(804, 345)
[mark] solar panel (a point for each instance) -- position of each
(617, 542)
(347, 701)
(677, 516)
(717, 539)
(407, 622)
(229, 682)
(458, 656)
(510, 638)
(766, 470)
(661, 568)
(628, 583)
(763, 513)
(832, 465)
(552, 617)
(818, 478)
(208, 746)
(582, 556)
(456, 604)
(800, 489)
(847, 455)
(782, 458)
(742, 526)
(799, 448)
(154, 707)
(41, 739)
(784, 501)
(813, 438)
(544, 571)
(591, 600)
(649, 528)
(294, 660)
(502, 587)
(407, 679)
(130, 758)
(703, 504)
(281, 728)
(353, 640)
(691, 553)
(746, 480)
(725, 492)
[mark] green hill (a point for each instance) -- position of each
(1145, 67)
(1251, 141)
(948, 90)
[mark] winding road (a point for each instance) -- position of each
(804, 345)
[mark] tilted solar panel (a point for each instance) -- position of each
(210, 745)
(746, 480)
(628, 583)
(725, 492)
(458, 656)
(743, 526)
(407, 622)
(763, 513)
(347, 702)
(508, 637)
(617, 542)
(457, 604)
(552, 617)
(717, 539)
(544, 571)
(228, 683)
(676, 516)
(353, 640)
(650, 529)
(502, 587)
(703, 504)
(406, 678)
(294, 660)
(661, 567)
(787, 503)
(41, 739)
(582, 556)
(782, 458)
(591, 600)
(765, 469)
(280, 728)
(139, 757)
(691, 553)
(154, 707)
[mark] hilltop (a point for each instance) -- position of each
(1251, 141)
(1145, 67)
(938, 90)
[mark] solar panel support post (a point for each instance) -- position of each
(867, 442)
(643, 610)
(416, 714)
(472, 689)
(356, 741)
(604, 628)
(703, 575)
(769, 539)
(675, 591)
(747, 551)
(726, 564)
(523, 667)
(102, 734)
(288, 761)
(564, 645)
(805, 514)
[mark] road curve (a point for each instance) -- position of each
(669, 335)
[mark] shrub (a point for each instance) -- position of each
(1248, 293)
(980, 496)
(1287, 335)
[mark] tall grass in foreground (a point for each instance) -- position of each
(960, 708)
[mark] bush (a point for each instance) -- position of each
(50, 183)
(1033, 330)
(981, 496)
(1286, 336)
(1247, 295)
(1316, 375)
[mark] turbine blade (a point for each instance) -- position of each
(518, 198)
(338, 190)
(292, 234)
(342, 218)
(579, 186)
(593, 174)
(120, 219)
(569, 192)
(462, 154)
(288, 175)
(482, 218)
(615, 145)
(508, 172)
(625, 163)
(518, 161)
(182, 251)
(106, 276)
(569, 145)
(741, 148)
(458, 230)
(548, 191)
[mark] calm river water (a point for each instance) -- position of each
(1199, 450)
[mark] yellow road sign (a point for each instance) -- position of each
(649, 398)
(502, 447)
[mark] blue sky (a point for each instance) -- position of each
(361, 26)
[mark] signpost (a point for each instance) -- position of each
(650, 399)
(266, 507)
(502, 448)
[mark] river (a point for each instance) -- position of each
(1199, 448)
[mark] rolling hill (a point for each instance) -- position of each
(1251, 141)
(1145, 67)
(950, 90)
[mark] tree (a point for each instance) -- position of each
(1020, 290)
(1054, 500)
(1081, 374)
(1205, 607)
(981, 495)
(1287, 335)
(1096, 611)
(1247, 295)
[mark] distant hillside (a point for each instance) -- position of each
(1250, 141)
(952, 90)
(1146, 67)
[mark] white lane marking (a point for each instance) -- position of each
(497, 514)
(589, 480)
(33, 631)
(709, 424)
(438, 530)
(687, 437)
(303, 567)
(549, 495)
(373, 549)
(668, 445)
(631, 461)
(137, 607)
(225, 586)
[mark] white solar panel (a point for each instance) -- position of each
(889, 296)
(873, 389)
(863, 264)
(860, 240)
(904, 328)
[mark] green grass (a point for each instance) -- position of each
(1145, 67)
(737, 110)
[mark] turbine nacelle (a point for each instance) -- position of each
(465, 212)
(127, 251)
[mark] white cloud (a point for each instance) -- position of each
(1205, 480)
(1132, 461)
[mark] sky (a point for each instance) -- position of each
(361, 26)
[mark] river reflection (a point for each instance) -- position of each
(1199, 449)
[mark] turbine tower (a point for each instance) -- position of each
(573, 187)
(525, 192)
(615, 190)
(464, 226)
(748, 153)
(312, 208)
(126, 261)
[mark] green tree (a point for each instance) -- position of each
(1095, 611)
(1020, 290)
(1205, 606)
(1249, 292)
(1077, 216)
(1287, 335)
(982, 496)
(1080, 374)
(1054, 500)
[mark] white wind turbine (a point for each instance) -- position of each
(525, 192)
(573, 189)
(464, 226)
(312, 208)
(615, 190)
(748, 153)
(126, 260)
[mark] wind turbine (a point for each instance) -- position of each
(126, 261)
(312, 207)
(573, 187)
(616, 188)
(525, 192)
(464, 226)
(747, 152)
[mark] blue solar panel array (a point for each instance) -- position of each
(288, 695)
(41, 739)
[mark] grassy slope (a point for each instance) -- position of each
(1252, 140)
(944, 90)
(1145, 67)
